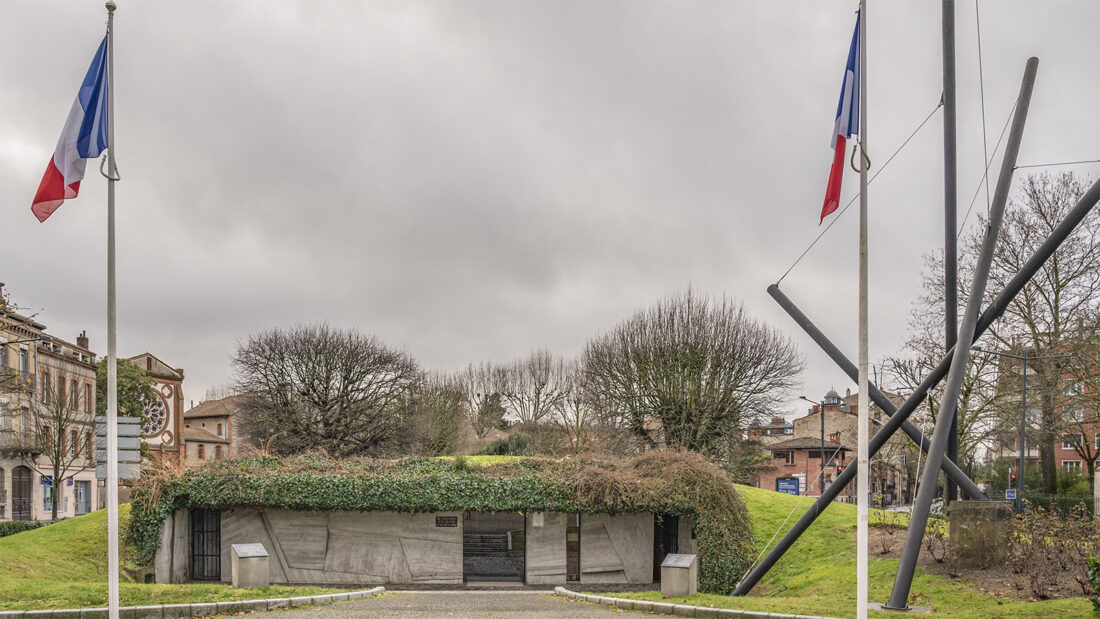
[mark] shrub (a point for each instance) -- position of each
(1042, 543)
(661, 482)
(18, 526)
(515, 445)
(1094, 581)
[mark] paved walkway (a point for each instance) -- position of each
(455, 605)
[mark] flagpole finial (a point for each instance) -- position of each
(111, 6)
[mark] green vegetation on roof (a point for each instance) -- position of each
(660, 481)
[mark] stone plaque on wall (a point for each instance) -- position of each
(446, 521)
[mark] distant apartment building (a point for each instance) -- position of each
(39, 371)
(208, 431)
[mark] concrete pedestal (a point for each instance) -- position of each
(978, 537)
(679, 575)
(250, 565)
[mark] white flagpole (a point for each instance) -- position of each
(863, 472)
(112, 370)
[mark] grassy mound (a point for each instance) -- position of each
(817, 576)
(659, 481)
(64, 565)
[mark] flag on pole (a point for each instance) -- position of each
(847, 123)
(84, 137)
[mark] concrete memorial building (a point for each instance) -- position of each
(538, 523)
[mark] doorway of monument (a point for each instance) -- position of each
(494, 545)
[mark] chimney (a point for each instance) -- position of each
(848, 392)
(82, 340)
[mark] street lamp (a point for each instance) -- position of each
(1023, 413)
(830, 399)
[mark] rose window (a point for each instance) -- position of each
(155, 417)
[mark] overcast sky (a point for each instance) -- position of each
(474, 180)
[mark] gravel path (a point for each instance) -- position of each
(455, 605)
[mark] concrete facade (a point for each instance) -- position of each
(355, 548)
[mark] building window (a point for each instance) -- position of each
(217, 452)
(47, 498)
(45, 385)
(1072, 465)
(88, 400)
(74, 443)
(200, 451)
(219, 429)
(74, 395)
(24, 360)
(787, 456)
(60, 391)
(1067, 441)
(89, 446)
(4, 353)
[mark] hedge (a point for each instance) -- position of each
(661, 482)
(18, 526)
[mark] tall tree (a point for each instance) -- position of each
(981, 400)
(135, 389)
(1045, 317)
(577, 415)
(60, 439)
(438, 408)
(533, 388)
(482, 384)
(691, 373)
(317, 387)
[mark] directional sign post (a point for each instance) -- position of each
(129, 448)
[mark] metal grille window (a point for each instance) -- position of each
(206, 541)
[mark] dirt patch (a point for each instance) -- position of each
(998, 580)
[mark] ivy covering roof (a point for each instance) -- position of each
(661, 482)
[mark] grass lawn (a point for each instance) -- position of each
(817, 576)
(64, 565)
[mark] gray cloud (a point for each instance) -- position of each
(473, 180)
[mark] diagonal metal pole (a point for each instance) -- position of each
(918, 519)
(1061, 232)
(879, 398)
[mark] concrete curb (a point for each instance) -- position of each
(676, 610)
(179, 611)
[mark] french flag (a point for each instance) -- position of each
(84, 137)
(847, 123)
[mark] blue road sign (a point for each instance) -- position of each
(787, 485)
(45, 480)
(1010, 493)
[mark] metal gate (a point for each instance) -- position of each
(206, 544)
(493, 546)
(21, 493)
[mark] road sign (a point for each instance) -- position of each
(788, 485)
(45, 480)
(1010, 493)
(129, 447)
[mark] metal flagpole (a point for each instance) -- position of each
(112, 370)
(864, 380)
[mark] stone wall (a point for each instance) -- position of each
(359, 548)
(617, 549)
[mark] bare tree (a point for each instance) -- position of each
(577, 415)
(60, 438)
(1044, 318)
(1081, 398)
(691, 373)
(535, 387)
(317, 387)
(482, 384)
(438, 409)
(981, 400)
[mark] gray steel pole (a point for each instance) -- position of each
(1023, 438)
(918, 519)
(950, 251)
(952, 471)
(1062, 231)
(112, 370)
